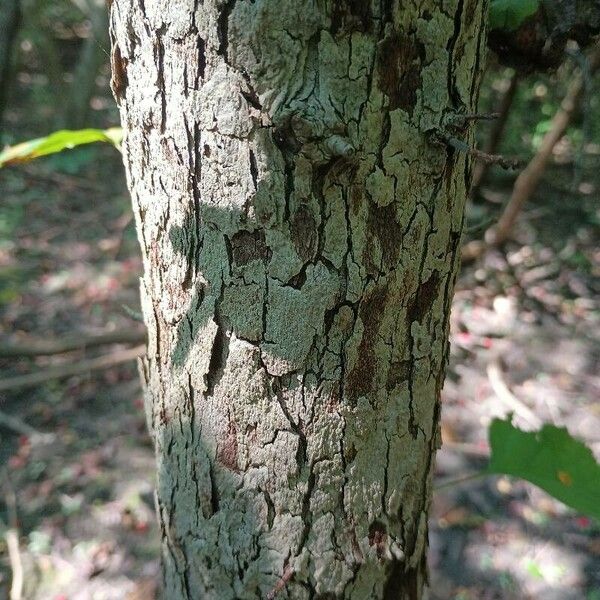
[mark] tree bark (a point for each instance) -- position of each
(300, 229)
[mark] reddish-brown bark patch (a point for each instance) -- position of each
(360, 379)
(303, 230)
(424, 298)
(350, 15)
(247, 246)
(227, 450)
(384, 229)
(399, 69)
(377, 537)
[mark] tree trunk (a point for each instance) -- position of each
(10, 18)
(300, 228)
(91, 58)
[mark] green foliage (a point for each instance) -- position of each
(549, 458)
(508, 15)
(57, 142)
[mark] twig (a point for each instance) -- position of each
(18, 426)
(505, 396)
(496, 159)
(491, 159)
(38, 347)
(459, 480)
(93, 364)
(493, 142)
(481, 116)
(465, 448)
(59, 178)
(529, 178)
(481, 226)
(133, 314)
(12, 542)
(288, 572)
(122, 223)
(16, 565)
(459, 120)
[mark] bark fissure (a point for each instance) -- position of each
(458, 18)
(223, 27)
(218, 360)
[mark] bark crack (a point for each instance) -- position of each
(223, 28)
(159, 53)
(218, 360)
(452, 91)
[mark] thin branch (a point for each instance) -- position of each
(481, 116)
(491, 159)
(62, 371)
(497, 159)
(528, 179)
(495, 137)
(18, 426)
(288, 573)
(466, 448)
(39, 347)
(63, 179)
(460, 480)
(12, 541)
(132, 314)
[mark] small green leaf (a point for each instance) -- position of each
(534, 569)
(549, 458)
(507, 15)
(58, 141)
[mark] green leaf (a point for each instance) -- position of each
(549, 458)
(507, 15)
(57, 142)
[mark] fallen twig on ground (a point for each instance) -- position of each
(288, 573)
(38, 347)
(18, 426)
(451, 482)
(93, 364)
(494, 373)
(467, 449)
(11, 535)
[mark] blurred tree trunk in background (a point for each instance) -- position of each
(10, 17)
(91, 58)
(300, 226)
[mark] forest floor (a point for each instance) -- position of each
(526, 320)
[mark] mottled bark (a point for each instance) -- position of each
(300, 229)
